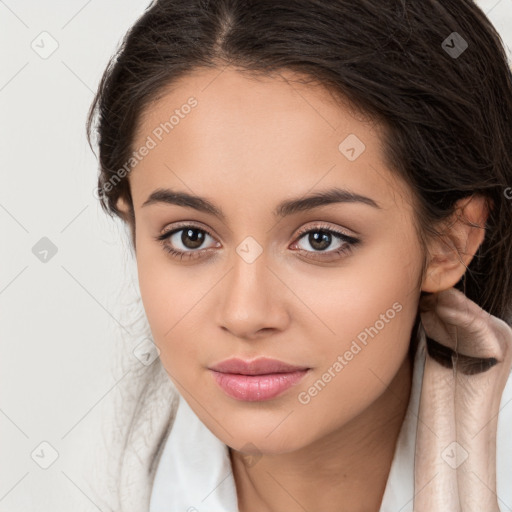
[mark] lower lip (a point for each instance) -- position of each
(255, 388)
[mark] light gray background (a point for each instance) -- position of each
(59, 319)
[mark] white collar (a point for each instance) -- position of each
(194, 472)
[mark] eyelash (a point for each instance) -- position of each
(349, 241)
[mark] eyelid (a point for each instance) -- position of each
(165, 233)
(321, 225)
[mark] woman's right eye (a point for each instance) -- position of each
(184, 242)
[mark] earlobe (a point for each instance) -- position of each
(451, 252)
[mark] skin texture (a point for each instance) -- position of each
(248, 145)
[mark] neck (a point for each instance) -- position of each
(346, 470)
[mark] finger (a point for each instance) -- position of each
(454, 307)
(461, 325)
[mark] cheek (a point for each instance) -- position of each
(372, 295)
(175, 300)
(370, 306)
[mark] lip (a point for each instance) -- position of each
(256, 380)
(260, 366)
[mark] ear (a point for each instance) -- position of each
(124, 209)
(128, 216)
(460, 237)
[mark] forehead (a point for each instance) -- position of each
(225, 130)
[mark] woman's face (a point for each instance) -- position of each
(254, 278)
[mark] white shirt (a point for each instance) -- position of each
(194, 473)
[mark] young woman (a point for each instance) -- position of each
(318, 195)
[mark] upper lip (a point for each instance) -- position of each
(260, 366)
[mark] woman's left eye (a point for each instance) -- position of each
(191, 238)
(320, 238)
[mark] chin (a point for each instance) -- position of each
(256, 441)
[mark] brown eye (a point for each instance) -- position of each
(192, 238)
(320, 240)
(323, 242)
(185, 242)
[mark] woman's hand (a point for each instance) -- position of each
(468, 362)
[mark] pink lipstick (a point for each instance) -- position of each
(257, 380)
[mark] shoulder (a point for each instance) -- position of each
(126, 463)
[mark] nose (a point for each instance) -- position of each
(252, 301)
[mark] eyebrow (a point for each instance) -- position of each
(283, 209)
